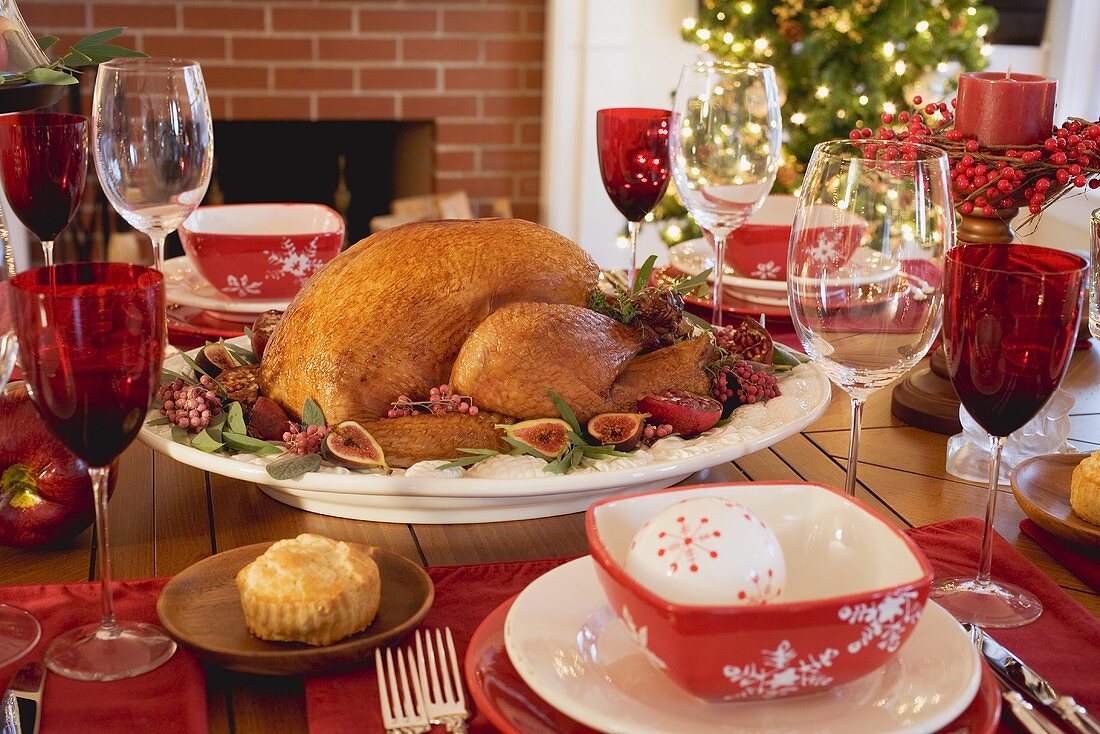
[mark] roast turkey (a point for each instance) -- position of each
(495, 307)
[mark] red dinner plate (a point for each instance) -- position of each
(513, 708)
(190, 327)
(731, 304)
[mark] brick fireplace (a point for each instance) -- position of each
(473, 67)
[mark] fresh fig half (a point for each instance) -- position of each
(262, 329)
(350, 445)
(547, 437)
(268, 421)
(214, 359)
(687, 413)
(621, 430)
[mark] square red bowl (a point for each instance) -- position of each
(856, 587)
(261, 251)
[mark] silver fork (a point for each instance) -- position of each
(441, 681)
(400, 695)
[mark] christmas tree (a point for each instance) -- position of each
(840, 65)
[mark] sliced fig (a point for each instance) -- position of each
(350, 445)
(268, 420)
(688, 414)
(621, 430)
(547, 437)
(214, 358)
(262, 329)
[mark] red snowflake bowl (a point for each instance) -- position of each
(261, 251)
(856, 587)
(758, 248)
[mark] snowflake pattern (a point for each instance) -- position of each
(825, 249)
(781, 671)
(885, 623)
(299, 263)
(640, 637)
(766, 271)
(241, 286)
(686, 549)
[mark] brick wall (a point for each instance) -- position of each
(472, 66)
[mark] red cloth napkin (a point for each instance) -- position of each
(1058, 645)
(168, 700)
(1082, 562)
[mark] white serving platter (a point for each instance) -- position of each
(511, 487)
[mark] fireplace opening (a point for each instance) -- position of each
(355, 167)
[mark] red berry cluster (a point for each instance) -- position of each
(190, 406)
(987, 179)
(440, 400)
(743, 380)
(652, 432)
(304, 442)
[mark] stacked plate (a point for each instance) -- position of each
(559, 658)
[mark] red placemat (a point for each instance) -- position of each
(168, 700)
(1081, 562)
(1063, 638)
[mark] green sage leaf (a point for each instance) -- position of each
(46, 42)
(474, 456)
(180, 435)
(50, 76)
(696, 321)
(162, 421)
(293, 466)
(785, 356)
(235, 419)
(249, 445)
(565, 412)
(641, 278)
(244, 356)
(194, 365)
(203, 441)
(98, 52)
(312, 415)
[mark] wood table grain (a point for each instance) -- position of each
(166, 516)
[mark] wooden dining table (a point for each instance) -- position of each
(166, 516)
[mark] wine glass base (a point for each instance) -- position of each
(19, 633)
(95, 652)
(996, 604)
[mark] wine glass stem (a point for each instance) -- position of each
(632, 229)
(853, 447)
(158, 251)
(720, 236)
(99, 476)
(47, 251)
(985, 563)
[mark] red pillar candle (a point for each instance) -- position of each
(1005, 108)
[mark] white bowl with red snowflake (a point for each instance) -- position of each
(855, 589)
(261, 251)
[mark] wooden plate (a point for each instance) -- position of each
(1041, 486)
(201, 609)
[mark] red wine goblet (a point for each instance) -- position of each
(44, 163)
(91, 342)
(1010, 323)
(633, 148)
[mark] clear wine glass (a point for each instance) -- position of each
(153, 142)
(725, 148)
(1010, 324)
(865, 264)
(43, 164)
(632, 143)
(91, 343)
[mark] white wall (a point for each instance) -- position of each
(602, 53)
(605, 53)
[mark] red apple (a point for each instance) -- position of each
(45, 492)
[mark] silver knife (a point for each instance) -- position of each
(22, 703)
(1037, 687)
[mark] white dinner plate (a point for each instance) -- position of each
(184, 285)
(515, 487)
(575, 654)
